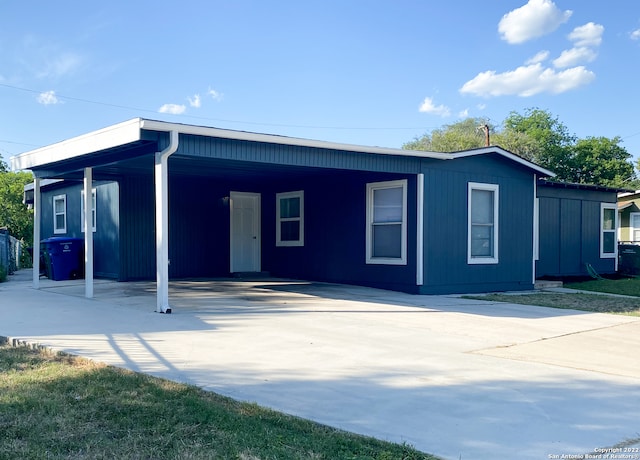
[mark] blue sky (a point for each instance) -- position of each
(355, 71)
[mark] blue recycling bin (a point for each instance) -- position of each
(63, 257)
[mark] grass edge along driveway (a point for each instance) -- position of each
(57, 406)
(597, 303)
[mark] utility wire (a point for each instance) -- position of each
(280, 125)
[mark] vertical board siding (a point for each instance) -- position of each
(105, 238)
(335, 233)
(570, 231)
(570, 236)
(548, 263)
(137, 228)
(446, 227)
(262, 152)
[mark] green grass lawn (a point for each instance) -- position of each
(578, 301)
(55, 406)
(625, 286)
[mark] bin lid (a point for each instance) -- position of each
(61, 239)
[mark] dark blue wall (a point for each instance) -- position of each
(570, 231)
(105, 238)
(445, 226)
(335, 233)
(335, 229)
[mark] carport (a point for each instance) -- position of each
(160, 153)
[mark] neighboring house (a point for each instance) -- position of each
(179, 201)
(577, 227)
(629, 216)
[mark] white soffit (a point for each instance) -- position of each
(112, 136)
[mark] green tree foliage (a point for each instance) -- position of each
(600, 160)
(550, 140)
(463, 135)
(13, 213)
(540, 137)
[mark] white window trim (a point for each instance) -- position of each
(57, 230)
(371, 187)
(94, 216)
(495, 188)
(614, 254)
(631, 227)
(279, 220)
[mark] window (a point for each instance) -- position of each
(290, 219)
(634, 227)
(387, 222)
(93, 210)
(60, 214)
(608, 230)
(482, 246)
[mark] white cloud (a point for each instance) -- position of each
(539, 57)
(635, 35)
(481, 106)
(463, 113)
(173, 109)
(527, 81)
(574, 56)
(48, 98)
(428, 107)
(589, 34)
(195, 101)
(214, 94)
(535, 19)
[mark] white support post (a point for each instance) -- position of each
(162, 224)
(88, 233)
(37, 217)
(536, 228)
(420, 230)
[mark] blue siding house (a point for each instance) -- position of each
(578, 229)
(182, 201)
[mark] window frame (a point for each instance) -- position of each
(631, 227)
(279, 220)
(56, 230)
(94, 204)
(612, 207)
(371, 188)
(495, 188)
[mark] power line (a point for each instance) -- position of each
(280, 125)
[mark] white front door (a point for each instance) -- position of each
(245, 232)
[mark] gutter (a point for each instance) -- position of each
(162, 222)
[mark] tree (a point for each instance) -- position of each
(14, 214)
(549, 142)
(600, 160)
(463, 135)
(540, 137)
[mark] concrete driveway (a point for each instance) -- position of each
(458, 378)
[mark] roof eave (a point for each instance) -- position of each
(505, 153)
(154, 125)
(109, 137)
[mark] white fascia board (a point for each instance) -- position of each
(507, 154)
(153, 125)
(43, 183)
(626, 194)
(112, 136)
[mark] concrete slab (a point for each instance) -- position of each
(463, 379)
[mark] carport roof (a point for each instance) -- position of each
(107, 145)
